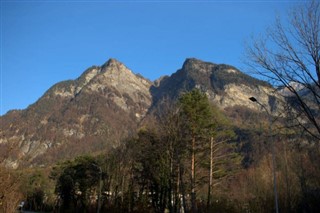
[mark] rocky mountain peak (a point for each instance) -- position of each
(193, 64)
(115, 66)
(116, 74)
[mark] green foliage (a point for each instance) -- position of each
(196, 112)
(76, 181)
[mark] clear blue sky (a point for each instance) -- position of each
(44, 42)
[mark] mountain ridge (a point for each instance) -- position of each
(107, 103)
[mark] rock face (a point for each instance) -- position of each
(107, 103)
(225, 86)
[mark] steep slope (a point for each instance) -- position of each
(102, 106)
(225, 86)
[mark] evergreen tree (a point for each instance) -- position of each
(76, 181)
(197, 122)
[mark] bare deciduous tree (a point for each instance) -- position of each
(288, 56)
(9, 190)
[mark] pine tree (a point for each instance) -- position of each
(196, 114)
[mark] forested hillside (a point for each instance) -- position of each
(190, 157)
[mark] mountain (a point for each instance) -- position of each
(101, 107)
(107, 104)
(225, 86)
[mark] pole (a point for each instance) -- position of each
(274, 178)
(273, 166)
(253, 99)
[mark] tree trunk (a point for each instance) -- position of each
(171, 181)
(318, 71)
(210, 173)
(193, 192)
(288, 191)
(184, 206)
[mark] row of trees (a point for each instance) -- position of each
(172, 165)
(189, 159)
